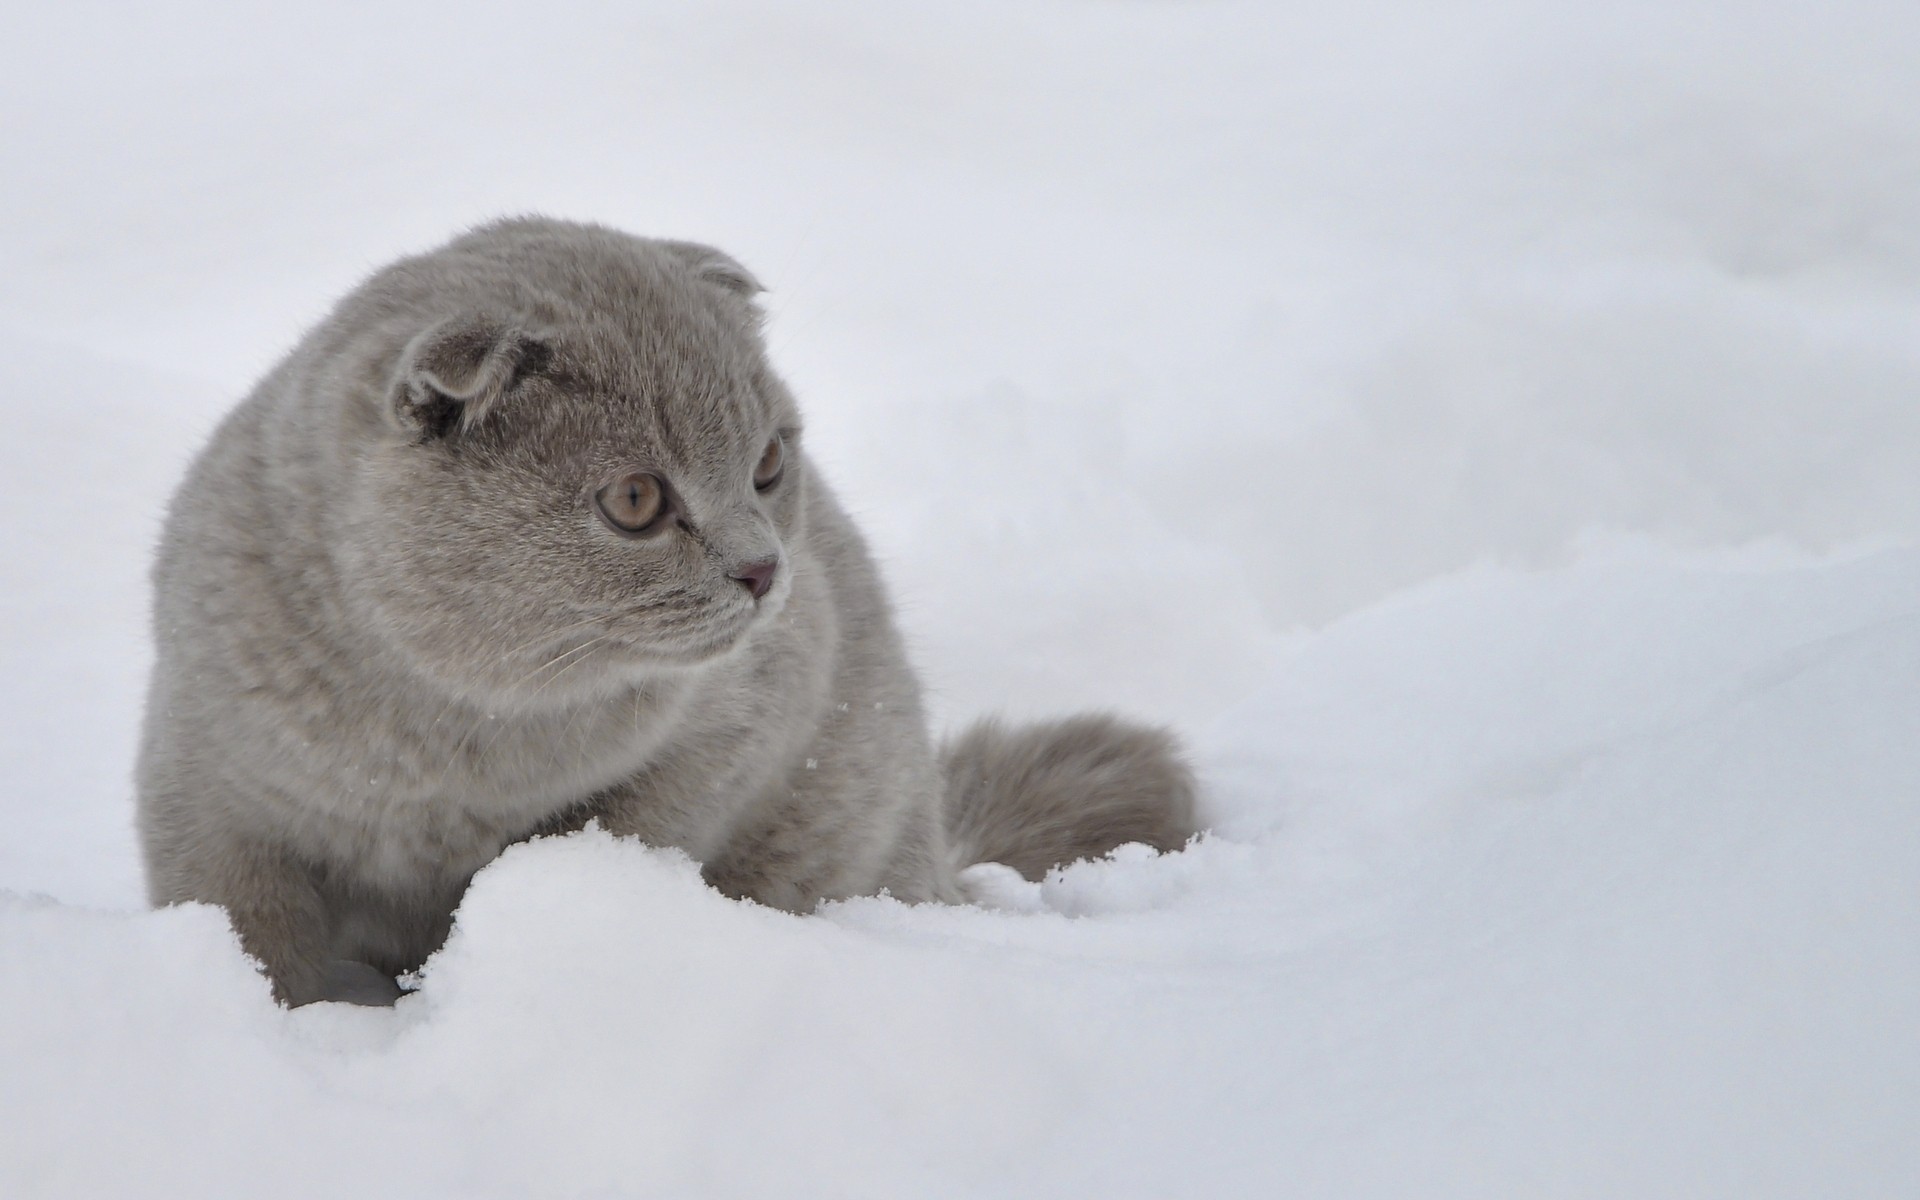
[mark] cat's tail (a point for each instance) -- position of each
(1036, 796)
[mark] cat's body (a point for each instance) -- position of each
(520, 536)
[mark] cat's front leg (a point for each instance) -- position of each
(276, 905)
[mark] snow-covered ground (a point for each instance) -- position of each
(1491, 431)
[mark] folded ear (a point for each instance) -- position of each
(453, 373)
(714, 267)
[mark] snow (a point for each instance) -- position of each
(1486, 429)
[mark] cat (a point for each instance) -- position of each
(524, 535)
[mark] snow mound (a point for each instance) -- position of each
(1596, 882)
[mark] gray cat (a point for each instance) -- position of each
(523, 535)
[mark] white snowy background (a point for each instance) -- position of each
(1490, 431)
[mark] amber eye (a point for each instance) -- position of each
(766, 472)
(632, 502)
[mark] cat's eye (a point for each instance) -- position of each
(772, 462)
(632, 502)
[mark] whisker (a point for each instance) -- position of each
(582, 656)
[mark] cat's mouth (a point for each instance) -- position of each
(665, 638)
(728, 627)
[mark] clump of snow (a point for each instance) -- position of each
(1485, 428)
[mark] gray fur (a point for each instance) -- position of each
(394, 636)
(1059, 791)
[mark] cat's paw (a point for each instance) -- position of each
(349, 982)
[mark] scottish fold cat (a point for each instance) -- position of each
(524, 534)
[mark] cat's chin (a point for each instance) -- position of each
(659, 660)
(607, 658)
(729, 631)
(689, 653)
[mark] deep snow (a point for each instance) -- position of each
(1488, 430)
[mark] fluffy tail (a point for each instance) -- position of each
(1057, 792)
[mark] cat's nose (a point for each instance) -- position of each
(756, 577)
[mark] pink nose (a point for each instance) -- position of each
(756, 577)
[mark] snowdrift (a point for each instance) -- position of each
(1588, 883)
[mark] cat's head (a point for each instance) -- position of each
(583, 472)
